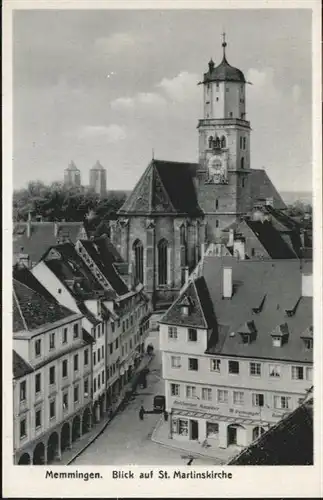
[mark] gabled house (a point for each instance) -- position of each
(52, 382)
(237, 349)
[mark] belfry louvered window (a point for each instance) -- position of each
(162, 262)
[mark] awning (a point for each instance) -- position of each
(217, 418)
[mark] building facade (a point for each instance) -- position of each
(176, 208)
(98, 179)
(92, 279)
(52, 382)
(72, 176)
(237, 350)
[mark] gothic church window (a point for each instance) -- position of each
(242, 162)
(244, 143)
(139, 261)
(162, 262)
(216, 204)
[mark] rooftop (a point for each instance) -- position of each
(42, 236)
(266, 293)
(157, 190)
(289, 442)
(31, 310)
(20, 367)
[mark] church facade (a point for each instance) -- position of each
(177, 208)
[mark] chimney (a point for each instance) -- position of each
(307, 285)
(227, 282)
(55, 229)
(231, 238)
(239, 250)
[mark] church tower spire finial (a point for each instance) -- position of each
(224, 44)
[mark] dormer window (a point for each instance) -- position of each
(185, 306)
(280, 335)
(307, 338)
(308, 344)
(248, 332)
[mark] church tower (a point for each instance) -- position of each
(224, 146)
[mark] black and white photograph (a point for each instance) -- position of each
(162, 245)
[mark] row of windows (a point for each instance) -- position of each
(98, 355)
(52, 375)
(98, 381)
(98, 331)
(52, 339)
(129, 321)
(237, 398)
(255, 369)
(52, 408)
(191, 334)
(115, 345)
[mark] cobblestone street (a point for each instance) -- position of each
(127, 439)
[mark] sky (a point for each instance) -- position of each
(113, 86)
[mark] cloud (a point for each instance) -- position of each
(182, 87)
(147, 100)
(118, 42)
(123, 103)
(112, 133)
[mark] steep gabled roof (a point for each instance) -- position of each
(271, 240)
(201, 312)
(20, 367)
(263, 188)
(32, 311)
(104, 257)
(165, 187)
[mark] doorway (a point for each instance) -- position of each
(232, 435)
(194, 429)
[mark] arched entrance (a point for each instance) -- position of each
(86, 421)
(257, 432)
(76, 428)
(52, 447)
(65, 436)
(39, 454)
(24, 459)
(236, 435)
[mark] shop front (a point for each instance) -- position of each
(215, 430)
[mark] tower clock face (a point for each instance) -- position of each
(216, 169)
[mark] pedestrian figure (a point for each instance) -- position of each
(141, 413)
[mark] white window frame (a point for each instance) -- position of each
(206, 391)
(176, 391)
(296, 370)
(222, 396)
(255, 399)
(238, 398)
(282, 402)
(172, 332)
(274, 371)
(176, 362)
(215, 362)
(190, 391)
(256, 366)
(309, 373)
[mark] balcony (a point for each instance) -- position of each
(227, 122)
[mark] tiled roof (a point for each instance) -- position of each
(262, 188)
(196, 317)
(289, 442)
(31, 310)
(20, 367)
(88, 314)
(87, 337)
(100, 252)
(158, 191)
(271, 240)
(25, 276)
(67, 265)
(42, 237)
(269, 286)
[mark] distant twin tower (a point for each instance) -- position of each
(98, 177)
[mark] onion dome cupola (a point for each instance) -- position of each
(224, 72)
